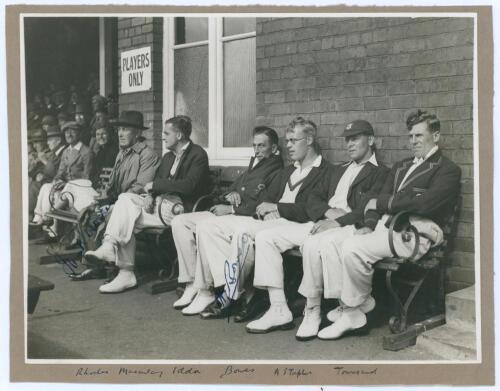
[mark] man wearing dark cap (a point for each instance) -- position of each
(335, 210)
(426, 186)
(183, 171)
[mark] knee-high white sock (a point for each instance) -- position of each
(276, 296)
(313, 302)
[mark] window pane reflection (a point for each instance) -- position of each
(191, 89)
(190, 30)
(239, 92)
(233, 26)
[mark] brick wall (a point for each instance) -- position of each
(337, 70)
(136, 33)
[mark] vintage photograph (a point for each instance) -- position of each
(237, 187)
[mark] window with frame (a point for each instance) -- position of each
(210, 68)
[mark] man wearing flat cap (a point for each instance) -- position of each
(183, 171)
(426, 186)
(72, 177)
(335, 210)
(76, 160)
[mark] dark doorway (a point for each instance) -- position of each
(61, 54)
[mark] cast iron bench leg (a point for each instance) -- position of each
(403, 336)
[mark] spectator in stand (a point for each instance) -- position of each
(62, 118)
(112, 106)
(48, 105)
(60, 101)
(48, 162)
(48, 120)
(72, 177)
(81, 120)
(105, 150)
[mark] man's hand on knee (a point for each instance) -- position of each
(363, 231)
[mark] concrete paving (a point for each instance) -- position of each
(75, 321)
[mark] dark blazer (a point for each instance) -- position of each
(365, 186)
(191, 179)
(253, 181)
(77, 166)
(294, 211)
(430, 191)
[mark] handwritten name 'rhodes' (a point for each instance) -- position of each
(91, 372)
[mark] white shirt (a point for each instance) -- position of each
(178, 158)
(417, 162)
(77, 146)
(339, 199)
(296, 179)
(255, 162)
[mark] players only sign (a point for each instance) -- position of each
(136, 70)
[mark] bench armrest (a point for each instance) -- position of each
(199, 205)
(407, 228)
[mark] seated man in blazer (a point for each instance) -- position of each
(337, 207)
(225, 245)
(183, 171)
(241, 199)
(426, 185)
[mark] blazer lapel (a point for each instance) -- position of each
(73, 158)
(250, 165)
(424, 168)
(169, 163)
(364, 173)
(181, 161)
(311, 176)
(290, 170)
(400, 174)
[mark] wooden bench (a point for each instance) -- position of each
(405, 280)
(157, 243)
(75, 220)
(36, 285)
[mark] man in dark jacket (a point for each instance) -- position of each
(337, 206)
(426, 186)
(183, 172)
(241, 199)
(226, 244)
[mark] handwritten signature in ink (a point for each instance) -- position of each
(232, 272)
(70, 263)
